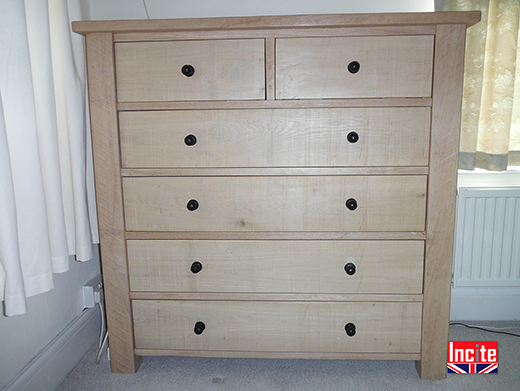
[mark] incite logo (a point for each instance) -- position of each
(472, 357)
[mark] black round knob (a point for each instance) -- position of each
(199, 328)
(188, 70)
(351, 204)
(353, 67)
(190, 140)
(352, 137)
(192, 205)
(196, 267)
(350, 269)
(350, 328)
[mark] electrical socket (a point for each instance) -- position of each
(92, 292)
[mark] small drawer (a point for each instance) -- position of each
(255, 326)
(354, 67)
(370, 267)
(295, 203)
(276, 137)
(190, 70)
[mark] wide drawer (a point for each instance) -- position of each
(293, 203)
(222, 70)
(276, 137)
(354, 67)
(278, 326)
(389, 267)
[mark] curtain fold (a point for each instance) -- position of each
(46, 183)
(490, 129)
(12, 292)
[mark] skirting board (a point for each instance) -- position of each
(485, 304)
(52, 365)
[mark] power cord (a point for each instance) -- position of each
(146, 10)
(103, 333)
(490, 330)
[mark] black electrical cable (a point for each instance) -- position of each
(484, 329)
(146, 10)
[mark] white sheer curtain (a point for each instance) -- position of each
(47, 207)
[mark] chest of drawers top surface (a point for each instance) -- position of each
(277, 186)
(259, 23)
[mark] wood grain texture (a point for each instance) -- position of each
(270, 60)
(109, 196)
(447, 99)
(390, 267)
(300, 297)
(278, 326)
(225, 235)
(274, 33)
(279, 355)
(275, 104)
(282, 21)
(391, 66)
(384, 203)
(276, 138)
(275, 171)
(224, 70)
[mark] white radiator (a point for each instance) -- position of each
(487, 238)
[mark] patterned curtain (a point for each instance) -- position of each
(490, 137)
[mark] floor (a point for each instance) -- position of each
(186, 374)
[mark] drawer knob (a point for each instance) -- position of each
(188, 70)
(190, 140)
(352, 137)
(196, 267)
(353, 67)
(350, 329)
(350, 269)
(192, 205)
(351, 204)
(199, 328)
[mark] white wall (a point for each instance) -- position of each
(48, 314)
(161, 9)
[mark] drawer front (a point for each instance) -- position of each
(276, 137)
(295, 203)
(278, 326)
(223, 70)
(390, 66)
(276, 266)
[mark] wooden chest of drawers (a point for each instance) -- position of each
(277, 186)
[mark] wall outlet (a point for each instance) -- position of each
(92, 292)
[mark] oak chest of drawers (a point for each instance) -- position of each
(277, 186)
